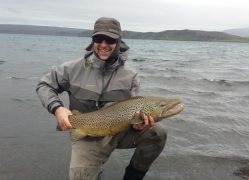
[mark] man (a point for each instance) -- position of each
(98, 78)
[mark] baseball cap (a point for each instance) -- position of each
(107, 26)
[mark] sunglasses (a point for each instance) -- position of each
(101, 38)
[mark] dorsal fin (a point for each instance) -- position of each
(108, 104)
(76, 135)
(75, 112)
(106, 140)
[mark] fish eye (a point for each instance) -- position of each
(162, 104)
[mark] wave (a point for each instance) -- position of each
(2, 62)
(16, 78)
(16, 100)
(159, 68)
(205, 92)
(27, 49)
(217, 81)
(226, 82)
(139, 60)
(20, 78)
(241, 82)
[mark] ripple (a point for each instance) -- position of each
(139, 60)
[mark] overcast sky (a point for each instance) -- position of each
(134, 15)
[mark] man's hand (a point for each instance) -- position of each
(148, 123)
(62, 114)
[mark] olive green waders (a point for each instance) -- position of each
(88, 156)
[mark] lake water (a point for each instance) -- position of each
(207, 141)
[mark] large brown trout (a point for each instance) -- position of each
(118, 116)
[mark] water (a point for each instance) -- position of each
(208, 140)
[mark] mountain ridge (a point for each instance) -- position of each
(39, 30)
(174, 35)
(243, 32)
(179, 35)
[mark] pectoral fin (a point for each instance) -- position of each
(108, 104)
(137, 119)
(106, 140)
(76, 135)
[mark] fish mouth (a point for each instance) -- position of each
(175, 108)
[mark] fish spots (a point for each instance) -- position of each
(117, 116)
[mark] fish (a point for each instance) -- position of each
(119, 116)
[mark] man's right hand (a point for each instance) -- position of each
(62, 114)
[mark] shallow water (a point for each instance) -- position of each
(208, 140)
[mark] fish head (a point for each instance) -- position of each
(160, 108)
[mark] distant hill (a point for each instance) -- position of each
(179, 35)
(39, 30)
(243, 32)
(174, 35)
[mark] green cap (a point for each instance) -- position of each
(107, 26)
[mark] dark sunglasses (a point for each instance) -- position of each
(101, 38)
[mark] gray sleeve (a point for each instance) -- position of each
(51, 85)
(135, 86)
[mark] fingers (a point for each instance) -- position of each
(65, 125)
(136, 127)
(68, 124)
(139, 127)
(152, 122)
(146, 121)
(62, 114)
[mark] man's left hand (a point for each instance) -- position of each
(148, 123)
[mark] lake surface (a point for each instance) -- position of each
(207, 141)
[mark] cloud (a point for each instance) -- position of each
(139, 15)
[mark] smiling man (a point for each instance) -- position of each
(104, 46)
(106, 39)
(91, 82)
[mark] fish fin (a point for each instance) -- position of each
(58, 127)
(75, 112)
(106, 140)
(108, 104)
(137, 119)
(75, 135)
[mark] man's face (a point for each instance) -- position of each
(104, 46)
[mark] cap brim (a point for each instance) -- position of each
(112, 35)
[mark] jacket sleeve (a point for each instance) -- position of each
(135, 86)
(51, 85)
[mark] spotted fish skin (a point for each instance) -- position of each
(119, 116)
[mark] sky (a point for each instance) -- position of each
(134, 15)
